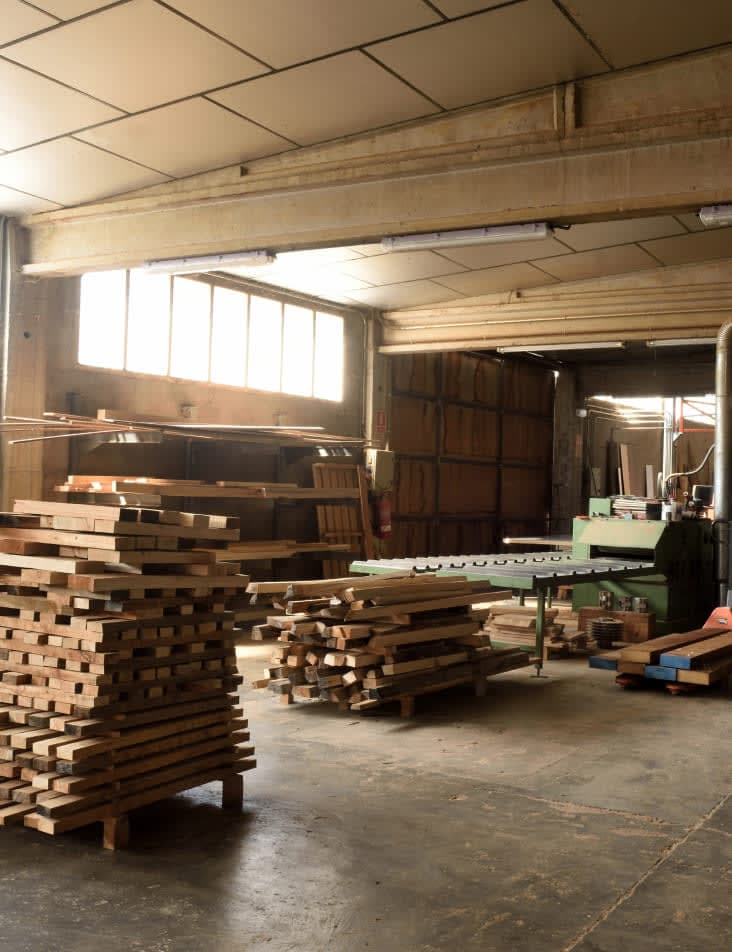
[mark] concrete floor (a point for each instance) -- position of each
(557, 814)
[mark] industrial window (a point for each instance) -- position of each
(197, 330)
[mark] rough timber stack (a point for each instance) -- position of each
(117, 660)
(362, 642)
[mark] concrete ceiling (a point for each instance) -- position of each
(98, 99)
(104, 99)
(366, 275)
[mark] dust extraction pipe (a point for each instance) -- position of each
(723, 457)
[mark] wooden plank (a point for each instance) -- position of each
(700, 653)
(649, 652)
(415, 635)
(41, 507)
(425, 605)
(707, 673)
(108, 582)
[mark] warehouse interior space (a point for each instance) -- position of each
(366, 475)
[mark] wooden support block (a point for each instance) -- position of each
(116, 832)
(407, 706)
(232, 791)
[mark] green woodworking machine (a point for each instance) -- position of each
(682, 594)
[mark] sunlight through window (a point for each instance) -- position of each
(102, 319)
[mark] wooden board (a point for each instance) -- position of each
(700, 653)
(650, 651)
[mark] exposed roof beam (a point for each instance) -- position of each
(651, 139)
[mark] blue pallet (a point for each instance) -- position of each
(660, 672)
(675, 661)
(607, 664)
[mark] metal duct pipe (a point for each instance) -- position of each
(723, 457)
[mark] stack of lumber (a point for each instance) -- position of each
(150, 487)
(361, 642)
(516, 625)
(117, 668)
(694, 658)
(259, 551)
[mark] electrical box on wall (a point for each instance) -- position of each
(380, 467)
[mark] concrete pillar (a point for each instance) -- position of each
(567, 500)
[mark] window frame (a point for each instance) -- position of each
(249, 290)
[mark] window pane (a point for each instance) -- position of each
(328, 383)
(229, 337)
(265, 343)
(102, 319)
(191, 329)
(297, 351)
(148, 323)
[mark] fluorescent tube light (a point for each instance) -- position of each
(534, 348)
(468, 236)
(682, 342)
(716, 215)
(237, 259)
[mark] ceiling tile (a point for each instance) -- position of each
(491, 256)
(503, 51)
(70, 172)
(595, 264)
(155, 138)
(320, 282)
(14, 203)
(284, 32)
(368, 250)
(67, 9)
(629, 31)
(18, 19)
(701, 246)
(135, 56)
(316, 257)
(33, 108)
(324, 100)
(394, 267)
(410, 294)
(601, 234)
(511, 277)
(458, 8)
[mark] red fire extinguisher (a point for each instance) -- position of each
(383, 515)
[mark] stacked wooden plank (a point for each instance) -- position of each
(117, 668)
(361, 642)
(516, 625)
(694, 658)
(197, 488)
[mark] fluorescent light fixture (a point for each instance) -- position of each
(716, 215)
(534, 348)
(682, 342)
(237, 259)
(468, 236)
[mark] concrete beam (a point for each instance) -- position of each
(646, 140)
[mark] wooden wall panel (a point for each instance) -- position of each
(469, 431)
(467, 487)
(471, 379)
(459, 413)
(524, 493)
(414, 490)
(469, 537)
(416, 373)
(527, 440)
(410, 537)
(528, 388)
(413, 425)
